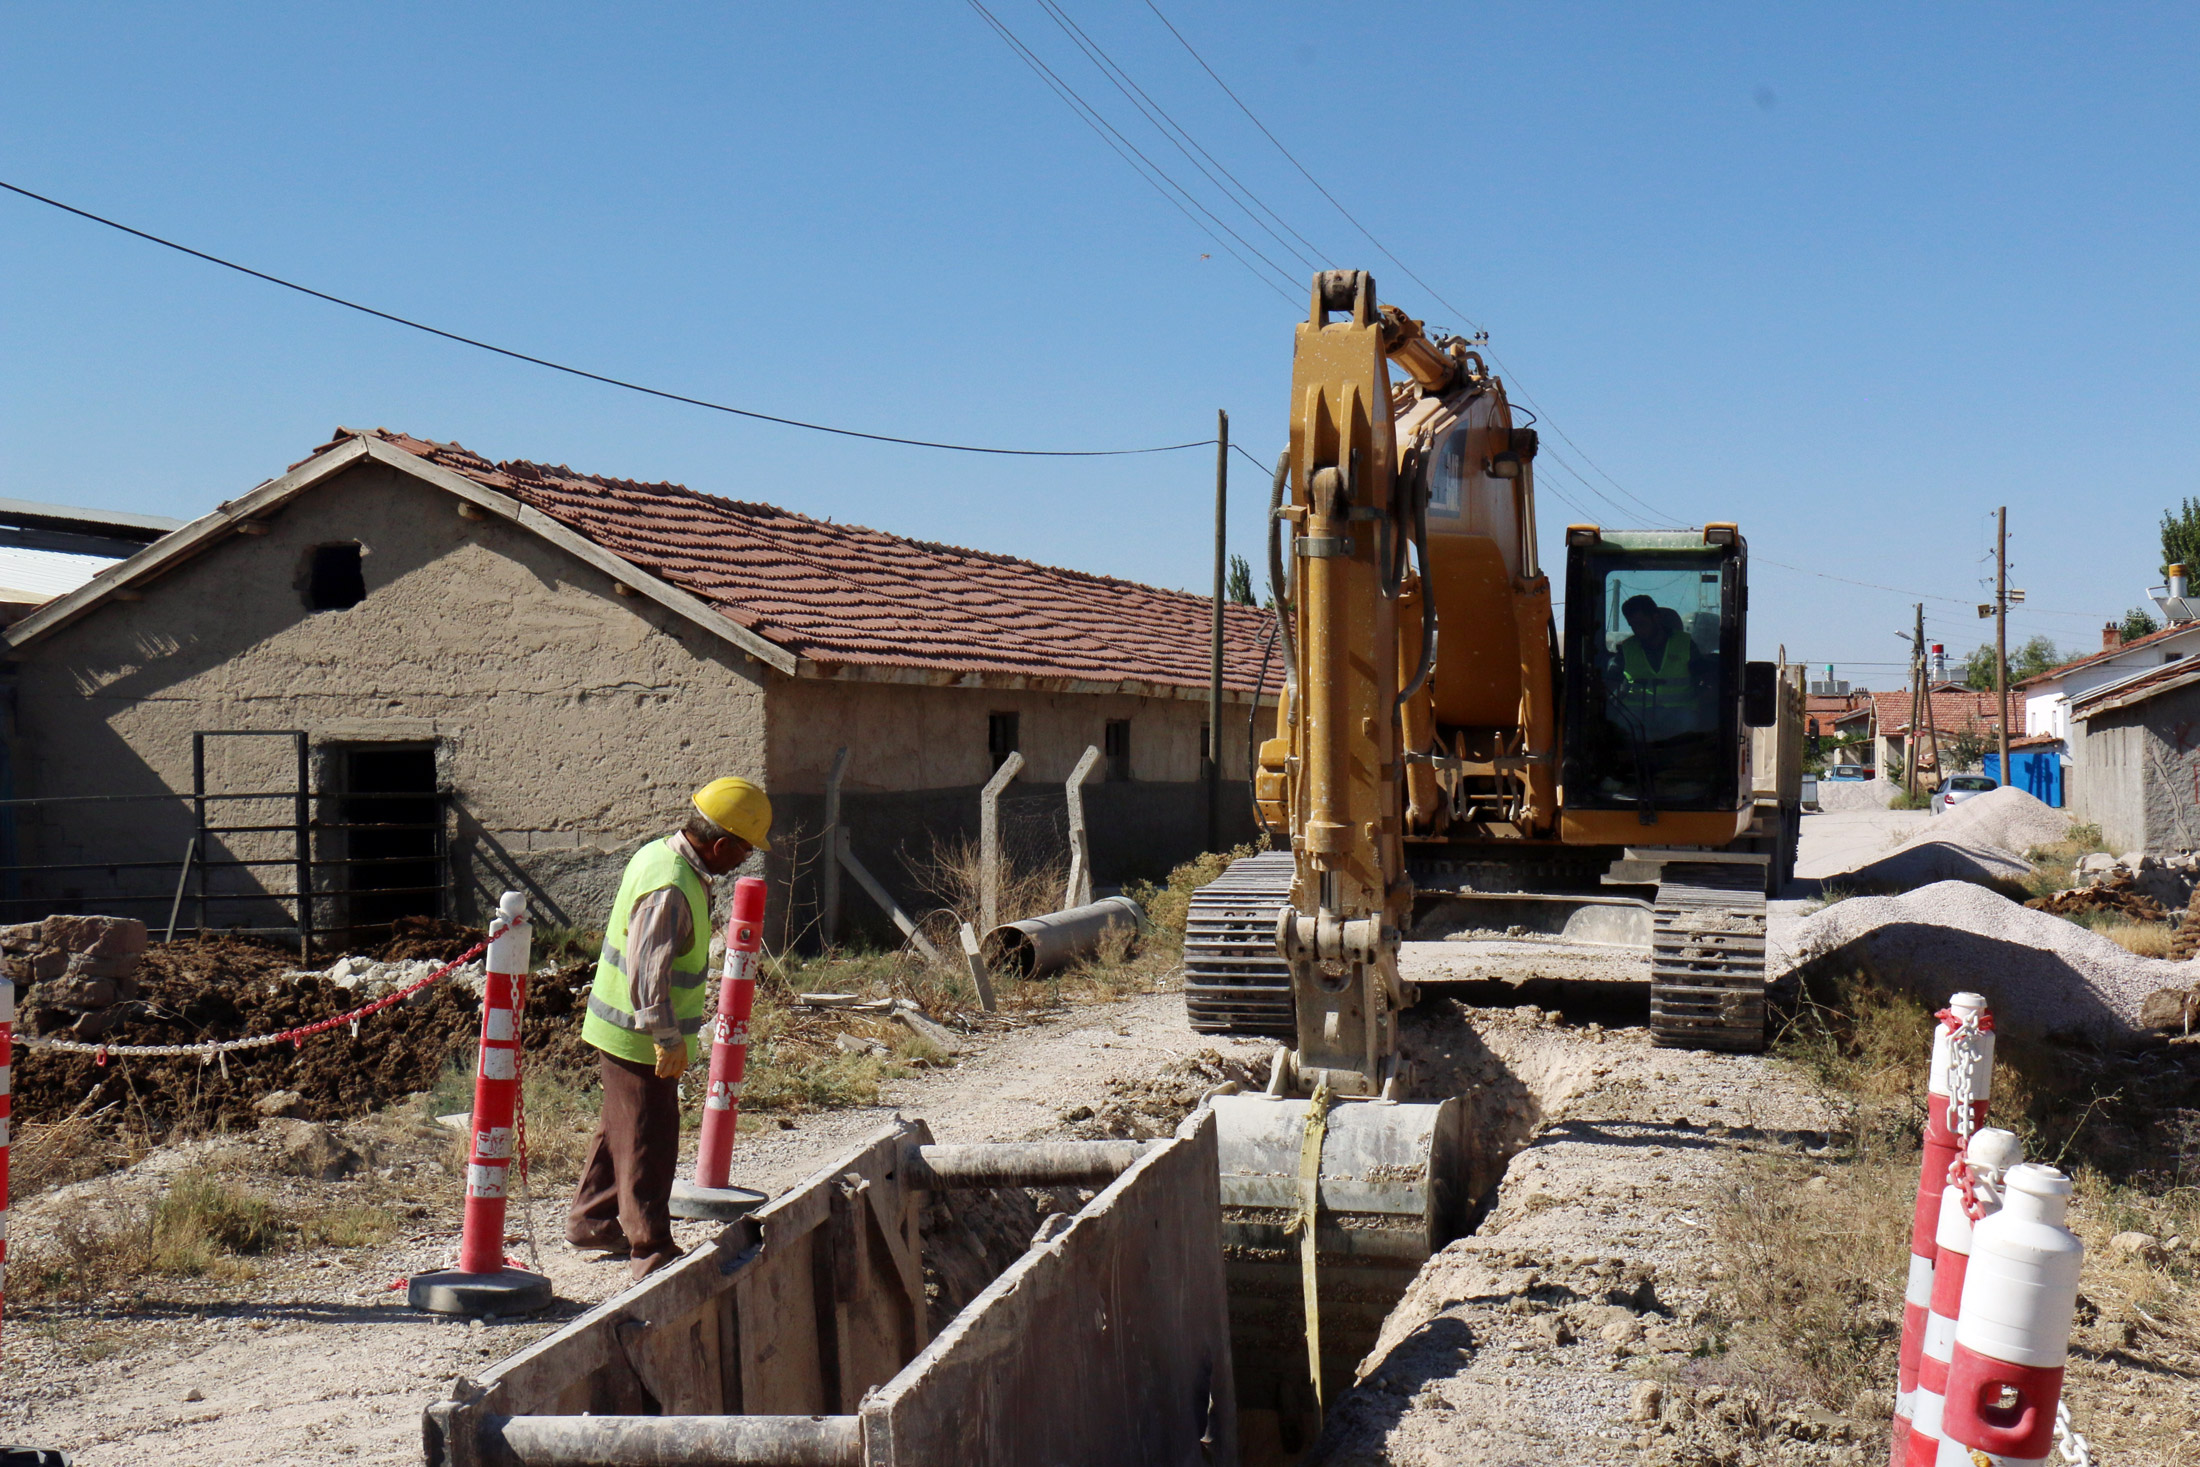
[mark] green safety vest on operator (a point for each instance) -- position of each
(1669, 676)
(610, 1024)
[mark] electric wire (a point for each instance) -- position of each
(520, 356)
(1110, 134)
(1171, 129)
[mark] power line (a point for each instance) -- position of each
(1109, 134)
(520, 356)
(1158, 115)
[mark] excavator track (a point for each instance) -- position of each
(1707, 957)
(1235, 982)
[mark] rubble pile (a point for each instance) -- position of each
(75, 976)
(2119, 894)
(2186, 939)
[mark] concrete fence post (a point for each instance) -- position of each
(989, 841)
(829, 876)
(1079, 893)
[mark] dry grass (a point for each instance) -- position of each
(2147, 939)
(1168, 904)
(2054, 867)
(1816, 1249)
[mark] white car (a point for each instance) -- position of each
(1959, 787)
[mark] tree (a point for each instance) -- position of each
(1237, 585)
(2138, 624)
(2030, 660)
(2181, 536)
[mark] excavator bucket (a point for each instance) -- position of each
(1393, 1187)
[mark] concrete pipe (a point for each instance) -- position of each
(1038, 946)
(672, 1441)
(1023, 1164)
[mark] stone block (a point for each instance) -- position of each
(48, 962)
(84, 965)
(309, 1149)
(279, 1103)
(99, 937)
(76, 991)
(2171, 1008)
(19, 937)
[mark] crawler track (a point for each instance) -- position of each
(1707, 957)
(1235, 982)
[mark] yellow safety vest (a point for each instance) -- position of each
(1670, 673)
(611, 1025)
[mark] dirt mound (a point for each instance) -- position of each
(2007, 819)
(2118, 894)
(426, 937)
(1855, 794)
(1926, 860)
(230, 988)
(1141, 1110)
(2042, 975)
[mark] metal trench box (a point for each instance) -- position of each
(797, 1335)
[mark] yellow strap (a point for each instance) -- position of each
(1310, 1176)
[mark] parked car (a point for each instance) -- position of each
(1957, 788)
(1849, 773)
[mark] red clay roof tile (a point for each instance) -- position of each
(842, 593)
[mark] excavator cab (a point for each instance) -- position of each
(1654, 656)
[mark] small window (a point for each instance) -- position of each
(1117, 746)
(334, 580)
(1206, 749)
(1000, 737)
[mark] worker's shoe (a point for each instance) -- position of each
(608, 1240)
(645, 1264)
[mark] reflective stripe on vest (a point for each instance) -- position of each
(610, 1024)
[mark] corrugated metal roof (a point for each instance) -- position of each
(41, 575)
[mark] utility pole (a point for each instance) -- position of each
(1913, 744)
(1214, 672)
(2001, 632)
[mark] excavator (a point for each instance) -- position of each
(1440, 751)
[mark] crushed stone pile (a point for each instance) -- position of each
(2006, 819)
(2043, 975)
(2184, 943)
(2118, 894)
(1922, 862)
(232, 988)
(1846, 794)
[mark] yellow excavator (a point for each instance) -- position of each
(1439, 756)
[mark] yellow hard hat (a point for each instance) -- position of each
(739, 808)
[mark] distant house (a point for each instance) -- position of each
(2136, 750)
(402, 677)
(49, 550)
(2048, 695)
(1956, 710)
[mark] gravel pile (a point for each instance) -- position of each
(2042, 974)
(1867, 794)
(1925, 860)
(2007, 819)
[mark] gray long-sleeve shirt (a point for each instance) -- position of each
(658, 930)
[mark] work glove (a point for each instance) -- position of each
(672, 1063)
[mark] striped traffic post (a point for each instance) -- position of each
(1962, 1058)
(2013, 1336)
(709, 1195)
(1989, 1156)
(483, 1283)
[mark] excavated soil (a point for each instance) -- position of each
(231, 988)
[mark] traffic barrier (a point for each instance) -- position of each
(1962, 1058)
(709, 1195)
(484, 1282)
(1988, 1158)
(2013, 1334)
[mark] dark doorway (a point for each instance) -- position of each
(394, 821)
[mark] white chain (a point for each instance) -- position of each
(2075, 1449)
(1962, 1061)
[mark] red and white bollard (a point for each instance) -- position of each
(1991, 1154)
(709, 1195)
(482, 1283)
(1941, 1145)
(2005, 1380)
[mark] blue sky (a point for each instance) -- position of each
(1851, 276)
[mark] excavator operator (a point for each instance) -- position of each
(1656, 670)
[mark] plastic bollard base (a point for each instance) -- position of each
(33, 1457)
(719, 1204)
(507, 1291)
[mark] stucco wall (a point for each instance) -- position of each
(2138, 774)
(570, 722)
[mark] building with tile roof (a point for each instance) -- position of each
(554, 660)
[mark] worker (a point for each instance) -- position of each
(645, 1015)
(1656, 669)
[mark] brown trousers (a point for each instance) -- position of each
(625, 1193)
